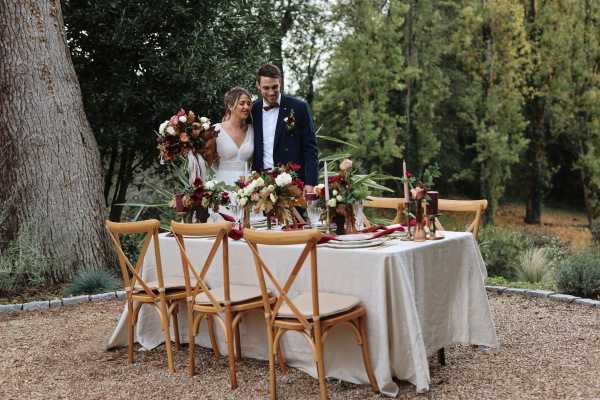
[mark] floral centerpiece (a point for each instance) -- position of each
(273, 192)
(196, 200)
(347, 191)
(421, 199)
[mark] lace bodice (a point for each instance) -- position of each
(233, 161)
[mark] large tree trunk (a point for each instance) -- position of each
(49, 162)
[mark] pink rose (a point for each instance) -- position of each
(184, 137)
(174, 120)
(346, 164)
(180, 113)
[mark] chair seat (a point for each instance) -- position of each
(170, 283)
(329, 304)
(237, 294)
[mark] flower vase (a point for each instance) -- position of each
(201, 215)
(340, 223)
(420, 235)
(269, 221)
(350, 219)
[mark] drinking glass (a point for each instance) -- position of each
(314, 212)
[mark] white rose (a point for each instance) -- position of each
(248, 190)
(320, 186)
(210, 185)
(339, 197)
(273, 197)
(204, 120)
(331, 203)
(162, 127)
(206, 126)
(243, 201)
(171, 130)
(335, 192)
(240, 192)
(183, 119)
(259, 182)
(271, 188)
(283, 179)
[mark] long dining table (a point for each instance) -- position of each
(419, 296)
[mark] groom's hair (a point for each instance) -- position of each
(268, 70)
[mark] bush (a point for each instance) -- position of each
(535, 265)
(501, 250)
(22, 264)
(595, 228)
(579, 274)
(92, 282)
(556, 249)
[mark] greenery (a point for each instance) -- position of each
(579, 274)
(22, 264)
(535, 265)
(502, 281)
(501, 250)
(92, 282)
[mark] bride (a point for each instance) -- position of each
(235, 142)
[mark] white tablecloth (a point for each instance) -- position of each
(419, 297)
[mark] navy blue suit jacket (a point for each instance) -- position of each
(298, 145)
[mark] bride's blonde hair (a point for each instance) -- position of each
(232, 97)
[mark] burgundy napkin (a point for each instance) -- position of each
(325, 239)
(388, 231)
(236, 234)
(227, 218)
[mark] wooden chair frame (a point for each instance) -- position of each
(463, 206)
(314, 329)
(139, 292)
(394, 203)
(227, 314)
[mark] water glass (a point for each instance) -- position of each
(314, 212)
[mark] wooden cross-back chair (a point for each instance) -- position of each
(393, 203)
(313, 314)
(477, 207)
(226, 303)
(162, 295)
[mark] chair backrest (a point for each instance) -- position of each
(132, 275)
(309, 238)
(393, 203)
(466, 206)
(220, 231)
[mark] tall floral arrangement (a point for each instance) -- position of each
(273, 192)
(199, 197)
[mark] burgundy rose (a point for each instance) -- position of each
(198, 183)
(295, 167)
(298, 182)
(334, 178)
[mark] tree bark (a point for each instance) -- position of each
(50, 163)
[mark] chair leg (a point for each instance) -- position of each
(165, 326)
(320, 361)
(191, 339)
(281, 358)
(238, 343)
(213, 338)
(176, 327)
(130, 326)
(270, 350)
(365, 353)
(442, 356)
(230, 347)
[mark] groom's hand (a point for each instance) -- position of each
(309, 189)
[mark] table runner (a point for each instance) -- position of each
(419, 297)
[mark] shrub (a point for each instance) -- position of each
(92, 282)
(535, 265)
(22, 264)
(556, 249)
(579, 274)
(501, 250)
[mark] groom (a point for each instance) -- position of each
(283, 129)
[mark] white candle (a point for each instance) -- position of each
(405, 179)
(326, 182)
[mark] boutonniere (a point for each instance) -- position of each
(290, 120)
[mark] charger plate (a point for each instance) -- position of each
(355, 245)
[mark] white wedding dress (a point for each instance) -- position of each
(233, 161)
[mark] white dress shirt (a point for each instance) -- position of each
(269, 123)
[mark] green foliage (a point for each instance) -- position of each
(556, 250)
(535, 265)
(502, 281)
(579, 274)
(501, 250)
(595, 228)
(92, 282)
(22, 264)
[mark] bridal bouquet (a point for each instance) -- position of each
(184, 133)
(273, 192)
(200, 197)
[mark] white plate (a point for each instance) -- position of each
(354, 237)
(353, 245)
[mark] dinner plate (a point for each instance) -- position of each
(355, 245)
(354, 237)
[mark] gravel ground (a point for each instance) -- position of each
(549, 350)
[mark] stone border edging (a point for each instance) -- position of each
(56, 303)
(120, 294)
(547, 294)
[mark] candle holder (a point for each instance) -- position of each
(409, 235)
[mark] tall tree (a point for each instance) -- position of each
(50, 167)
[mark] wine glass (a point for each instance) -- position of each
(312, 209)
(236, 209)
